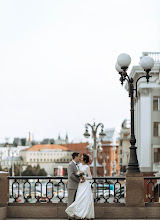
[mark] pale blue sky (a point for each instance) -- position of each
(57, 62)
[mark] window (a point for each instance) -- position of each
(156, 129)
(30, 159)
(156, 103)
(51, 160)
(37, 160)
(157, 155)
(41, 159)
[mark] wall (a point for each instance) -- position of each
(102, 211)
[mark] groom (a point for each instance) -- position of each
(73, 180)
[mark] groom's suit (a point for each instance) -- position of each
(72, 183)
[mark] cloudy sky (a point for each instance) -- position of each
(57, 61)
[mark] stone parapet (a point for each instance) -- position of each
(3, 213)
(4, 189)
(135, 190)
(102, 211)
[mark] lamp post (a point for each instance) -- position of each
(114, 164)
(147, 63)
(94, 129)
(95, 147)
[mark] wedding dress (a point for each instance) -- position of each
(83, 206)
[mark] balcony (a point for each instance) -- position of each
(154, 55)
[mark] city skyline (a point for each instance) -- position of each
(57, 63)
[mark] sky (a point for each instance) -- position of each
(57, 63)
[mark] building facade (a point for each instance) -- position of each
(147, 115)
(109, 157)
(124, 144)
(53, 158)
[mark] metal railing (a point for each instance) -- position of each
(152, 189)
(35, 189)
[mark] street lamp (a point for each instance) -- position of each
(94, 129)
(147, 63)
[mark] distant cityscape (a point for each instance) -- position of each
(53, 155)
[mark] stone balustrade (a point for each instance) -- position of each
(134, 206)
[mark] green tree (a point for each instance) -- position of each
(16, 170)
(1, 168)
(42, 172)
(34, 171)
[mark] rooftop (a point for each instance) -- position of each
(40, 147)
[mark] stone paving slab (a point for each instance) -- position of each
(66, 219)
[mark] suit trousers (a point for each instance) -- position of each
(71, 196)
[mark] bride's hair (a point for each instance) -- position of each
(86, 158)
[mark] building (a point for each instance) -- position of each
(8, 162)
(110, 154)
(61, 141)
(124, 144)
(147, 115)
(53, 158)
(77, 147)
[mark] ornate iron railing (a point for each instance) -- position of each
(36, 189)
(152, 189)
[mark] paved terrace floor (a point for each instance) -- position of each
(65, 219)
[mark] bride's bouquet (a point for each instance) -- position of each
(79, 173)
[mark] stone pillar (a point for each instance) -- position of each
(4, 189)
(145, 130)
(135, 190)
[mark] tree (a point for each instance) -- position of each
(1, 168)
(34, 171)
(17, 169)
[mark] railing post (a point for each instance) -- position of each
(4, 188)
(135, 190)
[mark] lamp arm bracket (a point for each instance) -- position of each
(98, 126)
(92, 127)
(127, 77)
(88, 125)
(137, 82)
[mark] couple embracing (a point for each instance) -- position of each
(80, 199)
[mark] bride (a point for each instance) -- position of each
(83, 206)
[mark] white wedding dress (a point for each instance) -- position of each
(83, 206)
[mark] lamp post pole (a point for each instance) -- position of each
(94, 153)
(94, 129)
(133, 166)
(147, 63)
